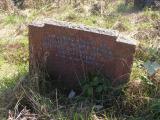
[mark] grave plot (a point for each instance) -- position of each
(69, 52)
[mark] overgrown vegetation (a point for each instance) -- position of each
(137, 100)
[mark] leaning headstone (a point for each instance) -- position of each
(69, 52)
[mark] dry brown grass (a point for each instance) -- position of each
(7, 5)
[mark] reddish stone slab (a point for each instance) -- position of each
(68, 52)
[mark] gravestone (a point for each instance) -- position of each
(69, 52)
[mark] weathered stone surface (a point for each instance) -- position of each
(69, 52)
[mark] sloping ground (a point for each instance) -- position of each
(139, 99)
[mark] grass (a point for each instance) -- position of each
(13, 19)
(13, 62)
(122, 8)
(137, 100)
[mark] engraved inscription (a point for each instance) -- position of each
(77, 49)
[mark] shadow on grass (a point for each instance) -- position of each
(8, 92)
(123, 102)
(130, 8)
